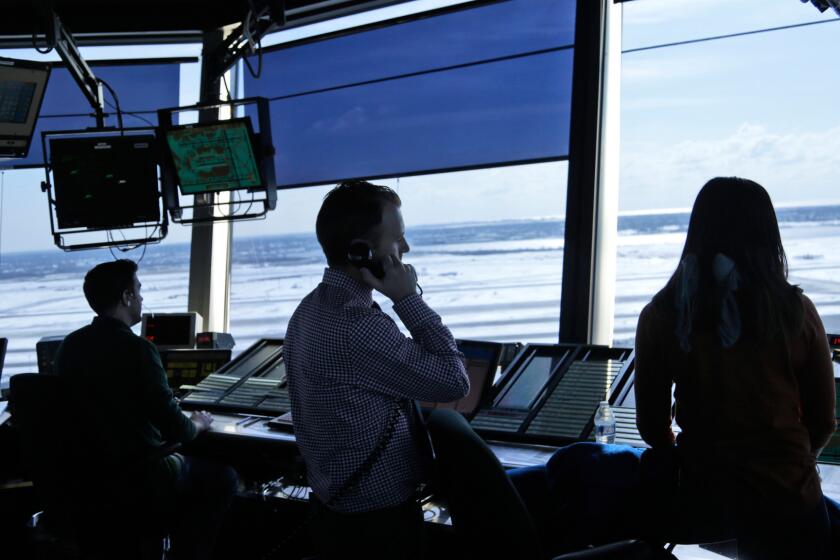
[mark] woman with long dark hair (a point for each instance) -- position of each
(749, 362)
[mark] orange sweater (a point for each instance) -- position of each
(750, 423)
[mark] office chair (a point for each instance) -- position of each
(488, 515)
(80, 519)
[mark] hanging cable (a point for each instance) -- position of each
(135, 114)
(35, 44)
(117, 101)
(253, 47)
(227, 89)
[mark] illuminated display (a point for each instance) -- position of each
(214, 157)
(105, 182)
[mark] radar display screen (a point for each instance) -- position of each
(105, 182)
(22, 87)
(214, 157)
(16, 101)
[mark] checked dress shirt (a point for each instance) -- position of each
(348, 367)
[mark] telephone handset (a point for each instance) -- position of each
(360, 254)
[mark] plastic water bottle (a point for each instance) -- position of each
(604, 424)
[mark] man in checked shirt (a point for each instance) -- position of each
(354, 377)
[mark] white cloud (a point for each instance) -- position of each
(351, 118)
(794, 167)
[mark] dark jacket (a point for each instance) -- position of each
(125, 407)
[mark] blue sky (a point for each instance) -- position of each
(757, 106)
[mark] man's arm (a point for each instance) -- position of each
(428, 367)
(159, 402)
(652, 385)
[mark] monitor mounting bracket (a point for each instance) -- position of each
(60, 38)
(265, 16)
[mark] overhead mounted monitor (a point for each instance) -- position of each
(22, 86)
(216, 156)
(105, 182)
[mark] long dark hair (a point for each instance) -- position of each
(735, 217)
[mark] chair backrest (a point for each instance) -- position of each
(487, 512)
(39, 406)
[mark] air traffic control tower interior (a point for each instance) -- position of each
(547, 154)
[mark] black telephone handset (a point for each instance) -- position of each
(360, 254)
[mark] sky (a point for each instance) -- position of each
(758, 106)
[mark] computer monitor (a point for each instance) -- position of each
(105, 182)
(481, 360)
(216, 156)
(189, 367)
(170, 331)
(22, 87)
(45, 350)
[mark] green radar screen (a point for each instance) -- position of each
(214, 157)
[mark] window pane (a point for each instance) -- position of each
(462, 37)
(487, 245)
(399, 107)
(517, 110)
(757, 107)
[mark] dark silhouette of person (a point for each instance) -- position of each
(747, 358)
(119, 388)
(354, 377)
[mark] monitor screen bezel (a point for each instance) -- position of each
(34, 108)
(485, 390)
(253, 143)
(141, 134)
(195, 326)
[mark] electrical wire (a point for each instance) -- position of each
(135, 114)
(253, 47)
(35, 44)
(227, 89)
(256, 75)
(117, 101)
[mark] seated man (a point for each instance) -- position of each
(353, 376)
(128, 411)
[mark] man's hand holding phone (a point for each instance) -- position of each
(400, 279)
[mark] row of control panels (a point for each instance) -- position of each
(545, 393)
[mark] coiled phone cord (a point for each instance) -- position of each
(352, 481)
